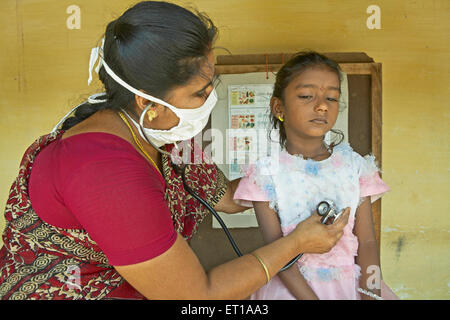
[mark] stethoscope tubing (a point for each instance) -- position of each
(220, 220)
(181, 170)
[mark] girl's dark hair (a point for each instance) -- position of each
(154, 46)
(297, 64)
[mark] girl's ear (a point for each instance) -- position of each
(277, 108)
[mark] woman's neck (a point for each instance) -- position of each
(149, 149)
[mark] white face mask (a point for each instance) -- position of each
(192, 121)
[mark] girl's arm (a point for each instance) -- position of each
(368, 249)
(271, 231)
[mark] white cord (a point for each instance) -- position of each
(92, 100)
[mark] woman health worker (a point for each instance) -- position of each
(97, 212)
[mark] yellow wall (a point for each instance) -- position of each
(43, 68)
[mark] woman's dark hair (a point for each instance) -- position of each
(297, 64)
(154, 46)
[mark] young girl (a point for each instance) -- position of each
(286, 188)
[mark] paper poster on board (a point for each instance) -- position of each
(249, 95)
(249, 109)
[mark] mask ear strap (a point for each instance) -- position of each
(135, 91)
(93, 99)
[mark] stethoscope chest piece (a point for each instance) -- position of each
(328, 211)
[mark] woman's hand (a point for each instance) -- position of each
(315, 237)
(226, 203)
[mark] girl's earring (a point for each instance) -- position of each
(151, 114)
(280, 118)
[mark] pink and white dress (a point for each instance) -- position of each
(294, 186)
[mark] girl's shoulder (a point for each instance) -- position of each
(364, 164)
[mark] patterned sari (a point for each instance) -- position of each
(41, 261)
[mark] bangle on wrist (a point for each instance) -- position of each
(263, 265)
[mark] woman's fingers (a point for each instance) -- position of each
(342, 221)
(338, 227)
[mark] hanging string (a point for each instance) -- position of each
(96, 55)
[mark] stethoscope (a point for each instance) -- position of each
(218, 218)
(181, 170)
